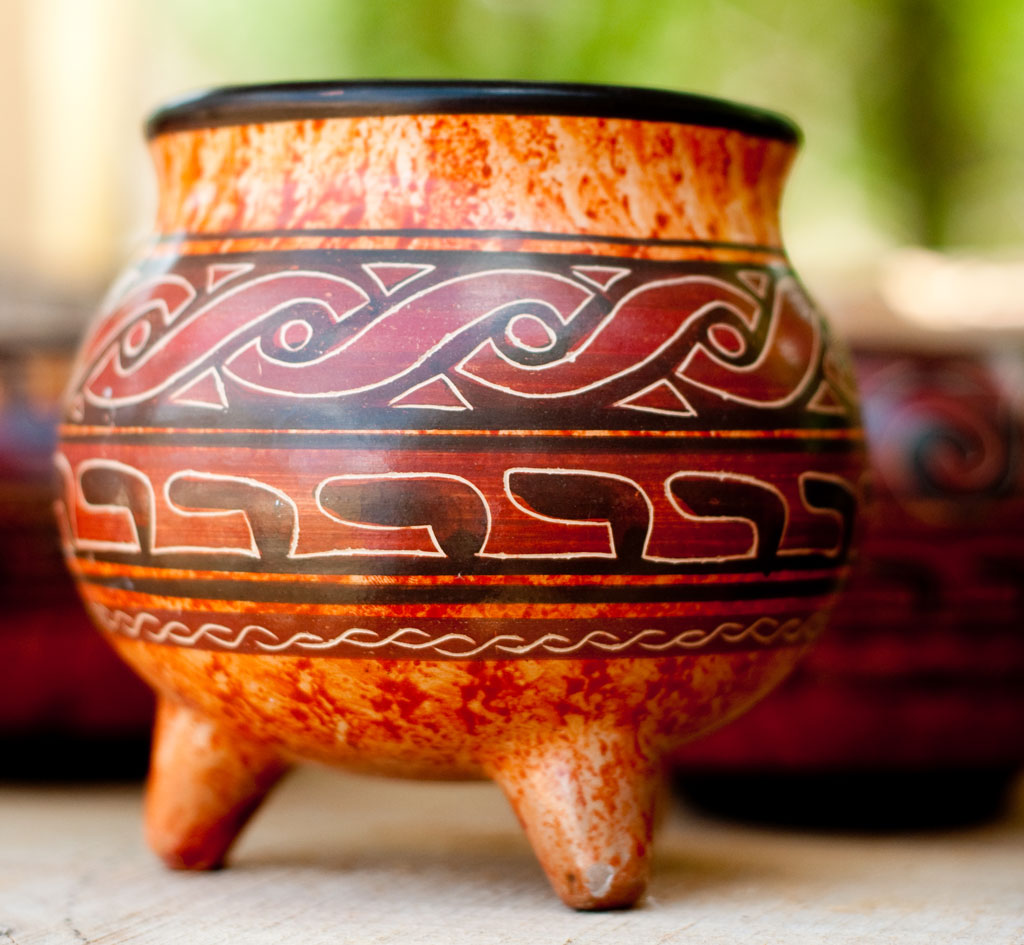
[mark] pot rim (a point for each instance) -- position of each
(297, 101)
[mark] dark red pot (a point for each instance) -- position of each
(919, 680)
(68, 707)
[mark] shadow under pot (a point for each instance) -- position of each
(909, 712)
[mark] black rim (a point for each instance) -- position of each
(301, 100)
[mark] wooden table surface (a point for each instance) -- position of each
(336, 859)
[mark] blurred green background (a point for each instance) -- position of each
(911, 108)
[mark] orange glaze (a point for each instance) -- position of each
(453, 719)
(557, 175)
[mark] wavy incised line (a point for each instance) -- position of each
(602, 639)
(765, 631)
(792, 630)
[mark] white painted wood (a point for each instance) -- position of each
(338, 859)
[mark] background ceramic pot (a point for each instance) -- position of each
(68, 706)
(457, 431)
(919, 680)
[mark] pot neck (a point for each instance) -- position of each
(611, 186)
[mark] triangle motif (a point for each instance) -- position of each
(660, 397)
(219, 273)
(756, 280)
(435, 393)
(604, 277)
(207, 390)
(826, 401)
(392, 276)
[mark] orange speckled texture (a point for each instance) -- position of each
(431, 718)
(478, 172)
(205, 781)
(575, 744)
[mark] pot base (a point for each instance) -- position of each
(204, 785)
(585, 798)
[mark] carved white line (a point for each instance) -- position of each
(155, 548)
(602, 639)
(437, 287)
(136, 338)
(819, 402)
(764, 631)
(836, 384)
(109, 356)
(528, 318)
(376, 552)
(611, 553)
(355, 636)
(466, 405)
(844, 484)
(64, 504)
(685, 409)
(252, 549)
(145, 626)
(282, 339)
(757, 279)
(371, 270)
(751, 552)
(611, 274)
(180, 396)
(807, 310)
(118, 621)
(118, 511)
(217, 274)
(117, 293)
(575, 354)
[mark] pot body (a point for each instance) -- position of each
(422, 442)
(922, 669)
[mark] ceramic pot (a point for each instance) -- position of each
(68, 706)
(919, 680)
(458, 431)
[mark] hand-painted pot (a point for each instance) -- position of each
(68, 706)
(457, 430)
(919, 681)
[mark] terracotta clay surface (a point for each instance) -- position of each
(471, 173)
(458, 446)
